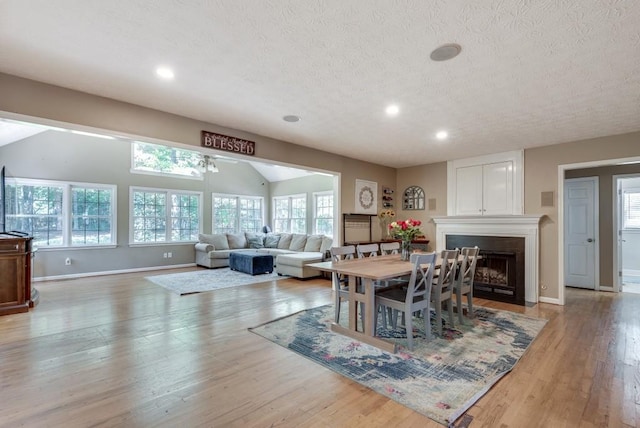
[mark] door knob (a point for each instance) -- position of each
(590, 240)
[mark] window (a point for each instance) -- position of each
(159, 215)
(234, 214)
(290, 214)
(157, 159)
(61, 214)
(323, 213)
(631, 208)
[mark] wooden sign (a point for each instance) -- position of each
(227, 143)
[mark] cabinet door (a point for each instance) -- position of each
(497, 179)
(469, 190)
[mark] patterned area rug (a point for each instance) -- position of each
(208, 280)
(441, 378)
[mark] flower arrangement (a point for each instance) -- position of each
(385, 217)
(406, 230)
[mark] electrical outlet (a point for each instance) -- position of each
(164, 255)
(170, 255)
(67, 261)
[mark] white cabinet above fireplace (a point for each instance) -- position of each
(486, 185)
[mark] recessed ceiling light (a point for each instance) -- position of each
(165, 73)
(445, 52)
(442, 135)
(392, 110)
(291, 118)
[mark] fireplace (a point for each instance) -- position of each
(500, 271)
(508, 226)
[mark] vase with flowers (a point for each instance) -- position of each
(406, 231)
(385, 217)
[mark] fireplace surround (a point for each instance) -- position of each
(525, 226)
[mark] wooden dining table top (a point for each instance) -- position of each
(375, 268)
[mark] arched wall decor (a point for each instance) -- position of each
(413, 198)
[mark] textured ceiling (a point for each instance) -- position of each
(531, 72)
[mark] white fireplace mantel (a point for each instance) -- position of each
(525, 226)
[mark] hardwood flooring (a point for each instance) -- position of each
(121, 351)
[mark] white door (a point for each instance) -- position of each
(580, 196)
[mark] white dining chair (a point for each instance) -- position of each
(387, 248)
(442, 291)
(367, 250)
(414, 298)
(464, 281)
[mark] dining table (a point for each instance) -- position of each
(367, 271)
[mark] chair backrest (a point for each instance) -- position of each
(421, 276)
(367, 250)
(342, 253)
(389, 247)
(448, 269)
(468, 266)
(346, 252)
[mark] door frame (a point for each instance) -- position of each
(595, 180)
(617, 227)
(560, 189)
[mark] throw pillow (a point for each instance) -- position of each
(271, 241)
(327, 243)
(298, 241)
(285, 241)
(218, 240)
(237, 240)
(255, 241)
(313, 243)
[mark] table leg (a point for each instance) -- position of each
(353, 304)
(369, 309)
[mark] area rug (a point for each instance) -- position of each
(207, 280)
(440, 378)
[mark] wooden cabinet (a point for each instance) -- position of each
(486, 186)
(15, 274)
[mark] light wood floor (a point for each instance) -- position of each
(121, 351)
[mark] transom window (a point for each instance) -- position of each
(236, 213)
(323, 213)
(160, 215)
(147, 158)
(62, 214)
(290, 213)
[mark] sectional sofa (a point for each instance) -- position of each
(291, 251)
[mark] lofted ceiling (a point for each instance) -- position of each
(530, 73)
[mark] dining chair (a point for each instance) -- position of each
(464, 282)
(442, 291)
(414, 298)
(341, 282)
(367, 250)
(389, 248)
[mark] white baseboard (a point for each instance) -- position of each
(551, 300)
(108, 272)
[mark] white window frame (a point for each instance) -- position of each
(67, 210)
(316, 195)
(289, 207)
(168, 194)
(238, 219)
(194, 174)
(625, 225)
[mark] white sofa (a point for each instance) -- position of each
(291, 252)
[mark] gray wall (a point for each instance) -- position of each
(63, 156)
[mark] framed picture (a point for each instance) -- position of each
(366, 197)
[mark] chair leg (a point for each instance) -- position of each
(427, 323)
(450, 310)
(469, 305)
(438, 306)
(408, 325)
(459, 306)
(337, 306)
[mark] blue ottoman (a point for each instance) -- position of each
(251, 262)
